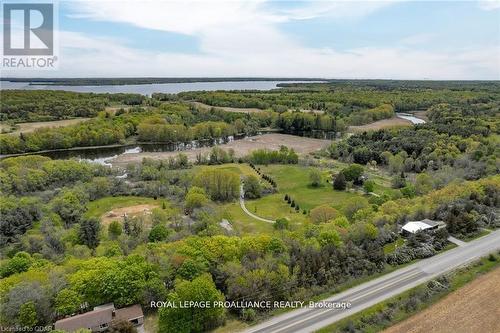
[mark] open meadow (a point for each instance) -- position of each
(32, 126)
(293, 180)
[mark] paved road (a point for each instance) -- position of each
(375, 291)
(242, 205)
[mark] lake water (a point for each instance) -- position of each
(148, 89)
(103, 155)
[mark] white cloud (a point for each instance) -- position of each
(345, 9)
(489, 4)
(418, 39)
(242, 39)
(185, 17)
(83, 55)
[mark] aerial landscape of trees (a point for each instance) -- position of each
(76, 234)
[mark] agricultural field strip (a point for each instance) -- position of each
(309, 320)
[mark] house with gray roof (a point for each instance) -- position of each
(101, 318)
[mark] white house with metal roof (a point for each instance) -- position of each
(412, 227)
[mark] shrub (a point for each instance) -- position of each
(281, 224)
(369, 186)
(339, 183)
(353, 173)
(252, 187)
(315, 177)
(158, 233)
(322, 214)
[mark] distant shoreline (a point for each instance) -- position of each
(152, 80)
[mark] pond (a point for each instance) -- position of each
(103, 155)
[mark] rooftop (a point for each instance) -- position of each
(85, 320)
(129, 313)
(414, 226)
(103, 314)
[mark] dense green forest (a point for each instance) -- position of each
(465, 139)
(60, 256)
(336, 105)
(76, 234)
(346, 99)
(43, 105)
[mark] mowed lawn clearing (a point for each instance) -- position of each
(30, 127)
(294, 181)
(242, 169)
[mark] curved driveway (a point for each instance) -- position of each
(242, 205)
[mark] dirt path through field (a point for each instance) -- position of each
(470, 309)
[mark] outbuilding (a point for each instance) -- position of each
(412, 227)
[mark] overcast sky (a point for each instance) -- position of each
(330, 39)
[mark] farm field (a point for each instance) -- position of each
(274, 141)
(246, 110)
(472, 308)
(380, 124)
(30, 127)
(225, 108)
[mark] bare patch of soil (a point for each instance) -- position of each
(380, 124)
(117, 214)
(472, 308)
(241, 148)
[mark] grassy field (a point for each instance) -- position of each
(30, 127)
(391, 247)
(362, 320)
(241, 169)
(294, 181)
(151, 322)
